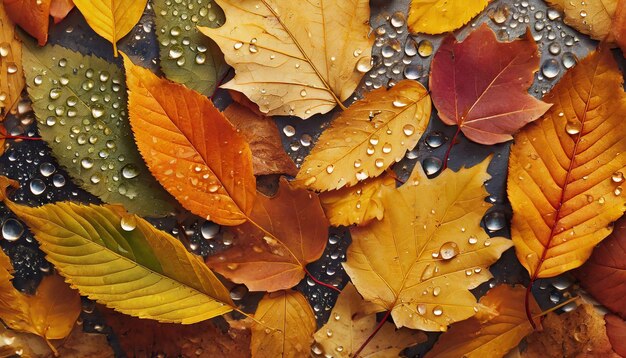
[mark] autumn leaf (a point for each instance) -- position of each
(619, 25)
(579, 333)
(499, 326)
(60, 8)
(271, 251)
(357, 204)
(30, 15)
(428, 251)
(565, 170)
(593, 18)
(349, 327)
(122, 261)
(481, 85)
(80, 104)
(289, 326)
(111, 19)
(367, 138)
(294, 58)
(146, 338)
(187, 56)
(11, 73)
(191, 148)
(261, 133)
(616, 332)
(439, 16)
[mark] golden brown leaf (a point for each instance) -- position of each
(577, 334)
(284, 234)
(565, 170)
(268, 155)
(60, 8)
(439, 16)
(293, 57)
(289, 326)
(190, 147)
(428, 251)
(31, 15)
(592, 18)
(498, 327)
(368, 137)
(619, 25)
(357, 204)
(11, 73)
(349, 327)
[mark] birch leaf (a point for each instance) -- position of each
(30, 15)
(294, 58)
(439, 16)
(11, 72)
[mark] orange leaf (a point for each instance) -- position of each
(60, 8)
(31, 15)
(286, 233)
(11, 72)
(481, 85)
(619, 25)
(190, 147)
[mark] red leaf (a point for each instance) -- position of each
(616, 331)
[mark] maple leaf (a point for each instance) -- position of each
(616, 332)
(593, 18)
(30, 15)
(60, 8)
(499, 325)
(294, 58)
(368, 137)
(561, 170)
(261, 133)
(11, 73)
(439, 16)
(428, 251)
(349, 327)
(481, 85)
(271, 251)
(111, 19)
(80, 105)
(289, 326)
(579, 333)
(357, 204)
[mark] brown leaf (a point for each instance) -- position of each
(577, 334)
(11, 72)
(619, 25)
(31, 15)
(292, 231)
(60, 8)
(261, 133)
(616, 331)
(80, 344)
(147, 338)
(481, 85)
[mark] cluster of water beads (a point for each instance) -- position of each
(11, 69)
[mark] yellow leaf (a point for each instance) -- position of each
(368, 137)
(429, 240)
(566, 170)
(289, 326)
(349, 327)
(498, 327)
(295, 57)
(439, 16)
(122, 261)
(111, 19)
(358, 204)
(592, 17)
(11, 73)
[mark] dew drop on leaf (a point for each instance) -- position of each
(12, 229)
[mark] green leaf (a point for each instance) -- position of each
(120, 260)
(80, 104)
(187, 56)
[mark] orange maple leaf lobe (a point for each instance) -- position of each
(481, 85)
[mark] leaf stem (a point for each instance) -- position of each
(452, 143)
(51, 346)
(320, 282)
(378, 327)
(529, 293)
(560, 305)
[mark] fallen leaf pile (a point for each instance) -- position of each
(195, 139)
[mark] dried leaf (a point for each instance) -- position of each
(285, 233)
(561, 167)
(292, 57)
(111, 19)
(498, 327)
(26, 345)
(429, 240)
(349, 327)
(30, 15)
(290, 325)
(146, 338)
(87, 133)
(11, 73)
(195, 61)
(481, 85)
(616, 332)
(60, 8)
(358, 204)
(122, 261)
(619, 25)
(368, 137)
(190, 147)
(579, 333)
(80, 344)
(439, 16)
(268, 155)
(592, 18)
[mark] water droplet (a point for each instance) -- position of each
(397, 19)
(387, 51)
(379, 162)
(494, 221)
(200, 58)
(436, 291)
(37, 186)
(550, 68)
(573, 127)
(387, 148)
(583, 13)
(472, 240)
(617, 177)
(421, 309)
(97, 111)
(46, 169)
(176, 51)
(408, 129)
(128, 222)
(238, 292)
(410, 47)
(87, 163)
(412, 72)
(330, 168)
(568, 60)
(400, 102)
(55, 93)
(238, 45)
(448, 250)
(5, 49)
(431, 165)
(425, 48)
(303, 93)
(130, 171)
(437, 311)
(58, 180)
(11, 68)
(12, 229)
(500, 14)
(364, 64)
